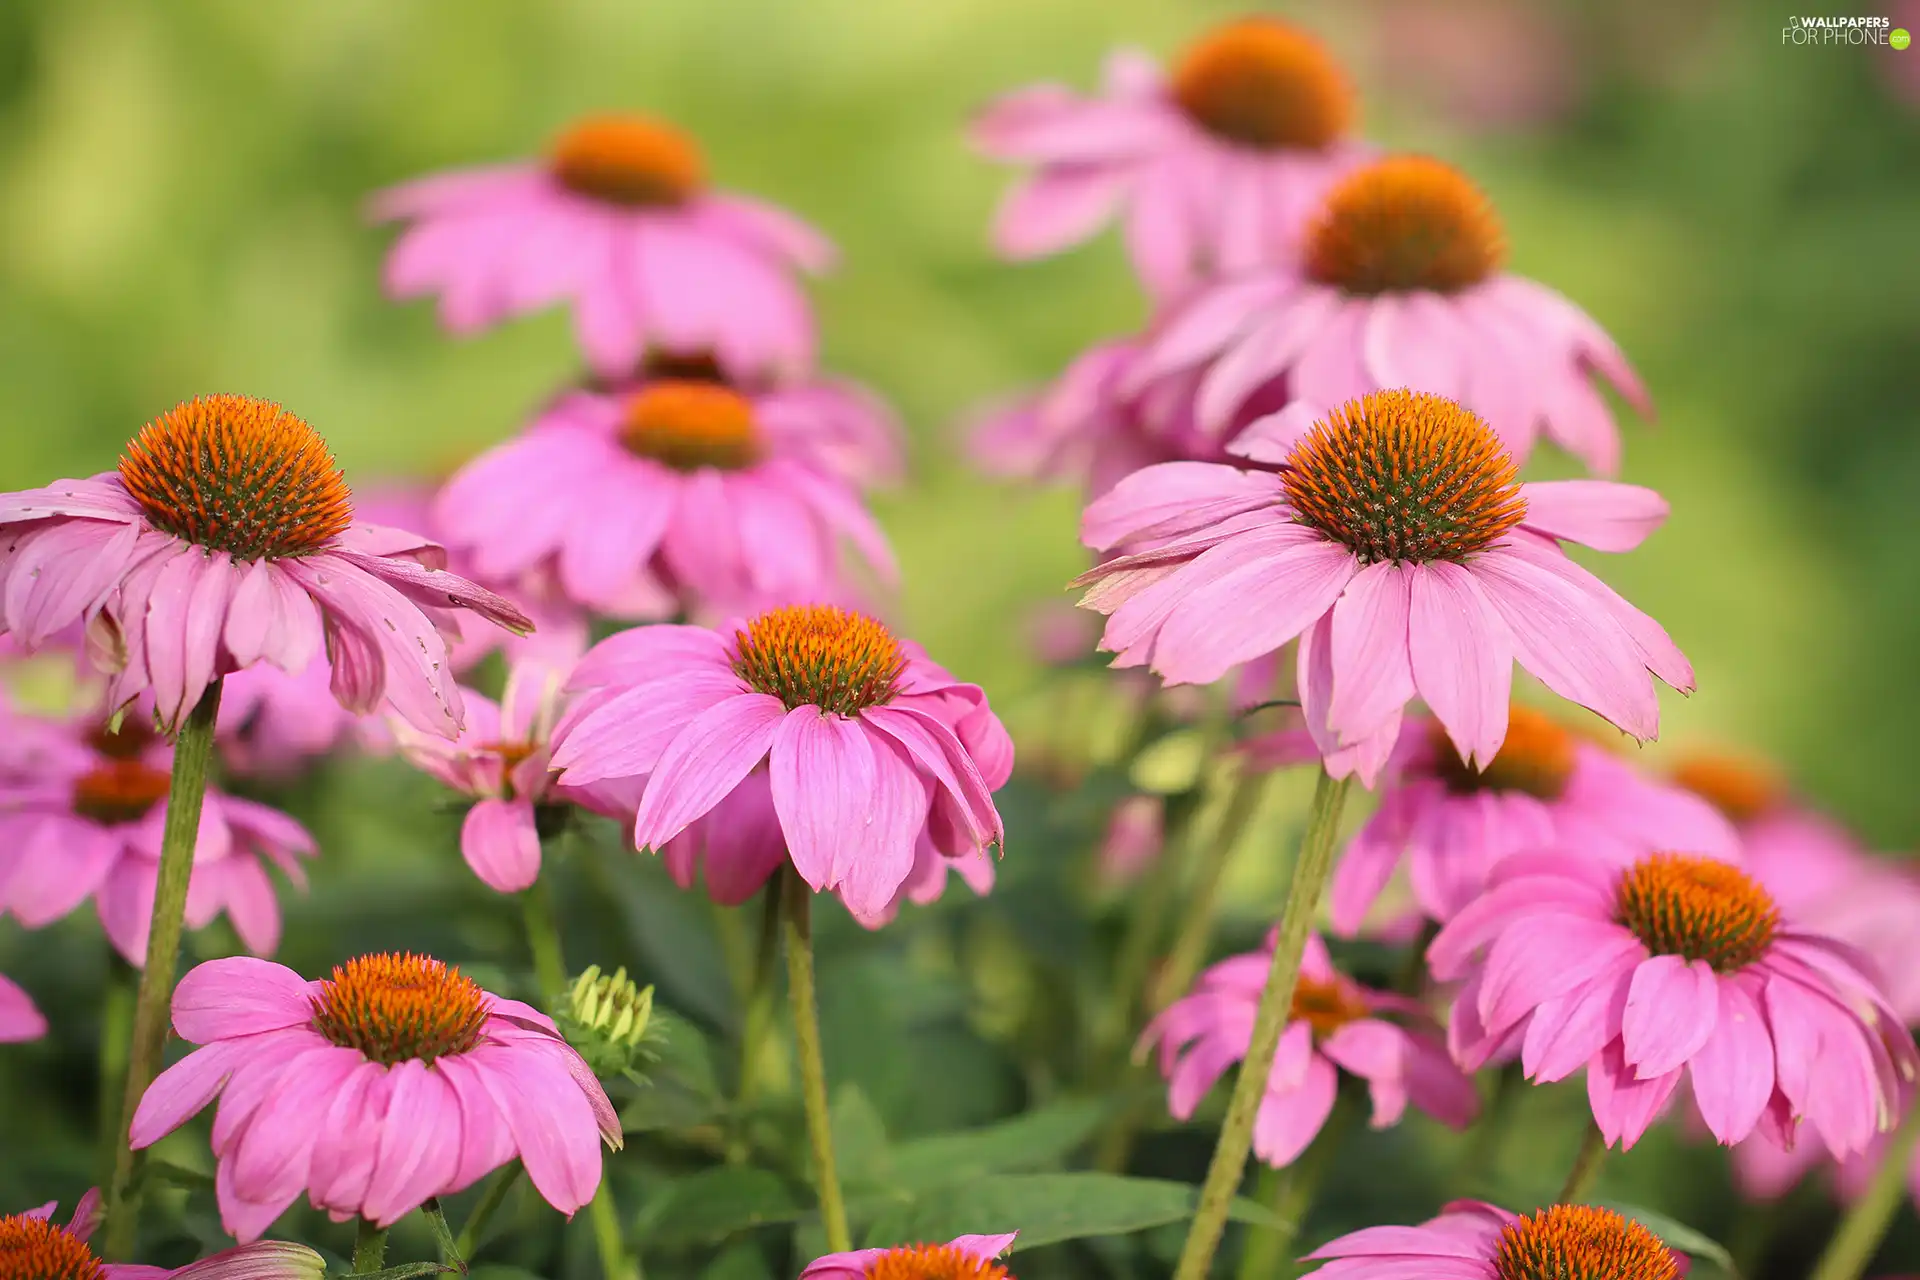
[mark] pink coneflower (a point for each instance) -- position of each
(619, 221)
(1398, 544)
(1214, 168)
(868, 745)
(1676, 964)
(961, 1258)
(31, 1245)
(1335, 1025)
(82, 811)
(19, 1019)
(1548, 787)
(227, 538)
(677, 491)
(1400, 285)
(394, 1080)
(1473, 1240)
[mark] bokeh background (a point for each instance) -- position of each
(181, 195)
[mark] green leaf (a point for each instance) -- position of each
(859, 1139)
(1677, 1235)
(1032, 1141)
(738, 1262)
(714, 1204)
(1046, 1208)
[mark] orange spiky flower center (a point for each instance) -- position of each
(934, 1262)
(116, 791)
(1581, 1242)
(1326, 1005)
(629, 160)
(1401, 224)
(238, 475)
(688, 425)
(1265, 84)
(1681, 904)
(35, 1249)
(1742, 790)
(1404, 476)
(397, 1006)
(1536, 759)
(819, 655)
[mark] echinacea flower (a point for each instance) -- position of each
(392, 1081)
(19, 1019)
(868, 745)
(1213, 168)
(1397, 543)
(82, 812)
(226, 538)
(1400, 285)
(32, 1246)
(1547, 787)
(961, 1258)
(1474, 1240)
(1678, 964)
(618, 220)
(1335, 1025)
(676, 491)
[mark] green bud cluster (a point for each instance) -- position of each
(605, 1018)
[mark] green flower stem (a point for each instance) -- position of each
(813, 1071)
(605, 1215)
(1586, 1165)
(505, 1179)
(1311, 872)
(152, 1011)
(1196, 924)
(369, 1248)
(1865, 1226)
(543, 941)
(443, 1234)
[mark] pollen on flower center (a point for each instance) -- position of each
(934, 1262)
(1325, 1006)
(1741, 790)
(1581, 1242)
(1404, 223)
(1681, 904)
(118, 791)
(238, 475)
(629, 160)
(35, 1249)
(1536, 758)
(397, 1006)
(819, 655)
(1262, 83)
(688, 425)
(1404, 476)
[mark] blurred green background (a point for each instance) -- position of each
(180, 212)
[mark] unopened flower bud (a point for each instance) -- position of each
(606, 1018)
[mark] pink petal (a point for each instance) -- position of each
(553, 1126)
(625, 735)
(703, 763)
(1567, 1031)
(1462, 656)
(1733, 1072)
(1624, 1105)
(1671, 1008)
(851, 809)
(1055, 209)
(1597, 513)
(239, 996)
(1174, 498)
(1251, 610)
(419, 1143)
(181, 1091)
(1546, 955)
(1372, 663)
(1288, 1122)
(499, 842)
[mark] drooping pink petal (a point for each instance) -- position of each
(1462, 657)
(1733, 1074)
(1372, 663)
(703, 763)
(498, 840)
(1672, 1005)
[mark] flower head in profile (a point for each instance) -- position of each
(1397, 544)
(961, 1258)
(1400, 284)
(674, 493)
(1473, 1240)
(864, 746)
(1213, 167)
(32, 1246)
(82, 812)
(620, 221)
(226, 538)
(1335, 1025)
(394, 1080)
(1678, 964)
(19, 1018)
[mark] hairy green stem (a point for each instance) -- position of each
(369, 1248)
(192, 755)
(1311, 872)
(1586, 1165)
(443, 1235)
(1192, 938)
(813, 1071)
(1290, 1194)
(1865, 1226)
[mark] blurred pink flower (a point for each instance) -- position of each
(188, 566)
(1134, 838)
(1399, 546)
(1400, 286)
(676, 491)
(392, 1081)
(1335, 1024)
(1474, 1240)
(961, 1258)
(618, 220)
(19, 1019)
(33, 1246)
(869, 746)
(82, 812)
(1213, 168)
(1678, 964)
(1483, 63)
(273, 724)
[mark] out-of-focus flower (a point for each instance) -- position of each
(605, 1018)
(961, 1258)
(1474, 1240)
(1135, 834)
(1400, 285)
(1398, 544)
(641, 502)
(82, 812)
(1487, 64)
(1213, 168)
(619, 221)
(1677, 964)
(869, 746)
(394, 1080)
(33, 1245)
(273, 724)
(19, 1019)
(1335, 1025)
(227, 537)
